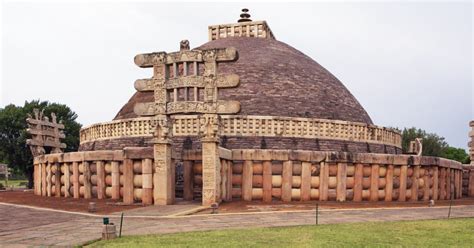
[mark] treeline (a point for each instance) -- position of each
(433, 145)
(13, 136)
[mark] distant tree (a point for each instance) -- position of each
(457, 154)
(13, 148)
(433, 145)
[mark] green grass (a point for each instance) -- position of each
(15, 183)
(429, 233)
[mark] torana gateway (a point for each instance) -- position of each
(241, 117)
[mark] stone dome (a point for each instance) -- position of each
(283, 99)
(276, 80)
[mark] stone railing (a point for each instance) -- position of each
(269, 126)
(337, 176)
(135, 127)
(254, 174)
(258, 29)
(122, 174)
(249, 126)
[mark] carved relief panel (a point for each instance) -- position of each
(178, 86)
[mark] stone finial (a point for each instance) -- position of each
(184, 45)
(245, 16)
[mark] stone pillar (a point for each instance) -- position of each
(211, 166)
(37, 179)
(128, 181)
(188, 174)
(471, 142)
(115, 180)
(210, 172)
(100, 179)
(75, 180)
(147, 181)
(163, 178)
(471, 156)
(87, 180)
(286, 181)
(57, 179)
(341, 182)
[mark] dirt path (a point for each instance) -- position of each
(108, 206)
(25, 226)
(67, 204)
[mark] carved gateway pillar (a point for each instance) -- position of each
(164, 176)
(211, 166)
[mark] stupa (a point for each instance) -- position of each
(241, 117)
(267, 94)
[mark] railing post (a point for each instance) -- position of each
(211, 166)
(163, 178)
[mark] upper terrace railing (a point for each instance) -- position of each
(249, 126)
(257, 29)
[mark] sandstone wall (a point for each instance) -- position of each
(254, 174)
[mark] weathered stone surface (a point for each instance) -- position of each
(44, 133)
(247, 142)
(277, 80)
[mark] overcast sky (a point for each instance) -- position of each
(408, 64)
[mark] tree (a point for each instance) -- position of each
(13, 148)
(433, 145)
(457, 154)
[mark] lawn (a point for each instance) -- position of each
(15, 183)
(429, 233)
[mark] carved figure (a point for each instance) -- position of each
(162, 128)
(184, 45)
(209, 126)
(416, 147)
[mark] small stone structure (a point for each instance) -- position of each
(5, 172)
(45, 133)
(109, 231)
(248, 118)
(471, 142)
(46, 136)
(468, 176)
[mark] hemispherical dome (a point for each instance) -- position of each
(276, 80)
